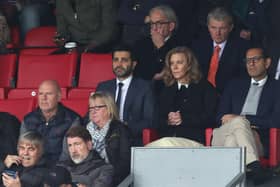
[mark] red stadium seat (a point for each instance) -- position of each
(40, 37)
(17, 107)
(2, 93)
(94, 68)
(37, 51)
(21, 93)
(15, 36)
(33, 69)
(7, 70)
(78, 105)
(79, 93)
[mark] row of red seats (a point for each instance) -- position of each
(33, 69)
(36, 37)
(21, 107)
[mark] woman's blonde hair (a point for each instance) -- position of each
(108, 101)
(194, 74)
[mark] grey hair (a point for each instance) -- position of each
(220, 14)
(33, 138)
(168, 12)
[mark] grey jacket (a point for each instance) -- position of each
(93, 171)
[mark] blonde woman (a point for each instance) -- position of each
(188, 102)
(110, 136)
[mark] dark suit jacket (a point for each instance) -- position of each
(139, 107)
(198, 109)
(150, 59)
(118, 145)
(268, 110)
(231, 62)
(273, 52)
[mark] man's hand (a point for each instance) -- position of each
(12, 159)
(174, 118)
(245, 34)
(158, 76)
(157, 37)
(227, 117)
(9, 181)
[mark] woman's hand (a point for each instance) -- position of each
(174, 118)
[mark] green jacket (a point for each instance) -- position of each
(95, 21)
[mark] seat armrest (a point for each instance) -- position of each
(149, 135)
(274, 147)
(208, 136)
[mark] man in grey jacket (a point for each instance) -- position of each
(86, 167)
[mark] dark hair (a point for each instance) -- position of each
(261, 47)
(124, 47)
(78, 131)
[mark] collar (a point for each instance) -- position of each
(167, 38)
(260, 82)
(180, 84)
(221, 45)
(104, 128)
(126, 82)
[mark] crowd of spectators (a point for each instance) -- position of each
(180, 67)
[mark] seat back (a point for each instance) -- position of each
(20, 93)
(94, 69)
(17, 107)
(78, 105)
(181, 167)
(33, 69)
(40, 37)
(2, 93)
(15, 36)
(37, 51)
(7, 70)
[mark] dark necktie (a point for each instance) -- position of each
(183, 88)
(118, 102)
(256, 83)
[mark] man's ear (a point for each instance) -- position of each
(134, 63)
(59, 96)
(267, 62)
(172, 26)
(89, 145)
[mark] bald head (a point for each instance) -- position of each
(49, 94)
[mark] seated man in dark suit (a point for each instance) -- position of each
(223, 46)
(248, 108)
(133, 96)
(150, 52)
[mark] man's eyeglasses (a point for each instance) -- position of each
(253, 59)
(158, 24)
(96, 108)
